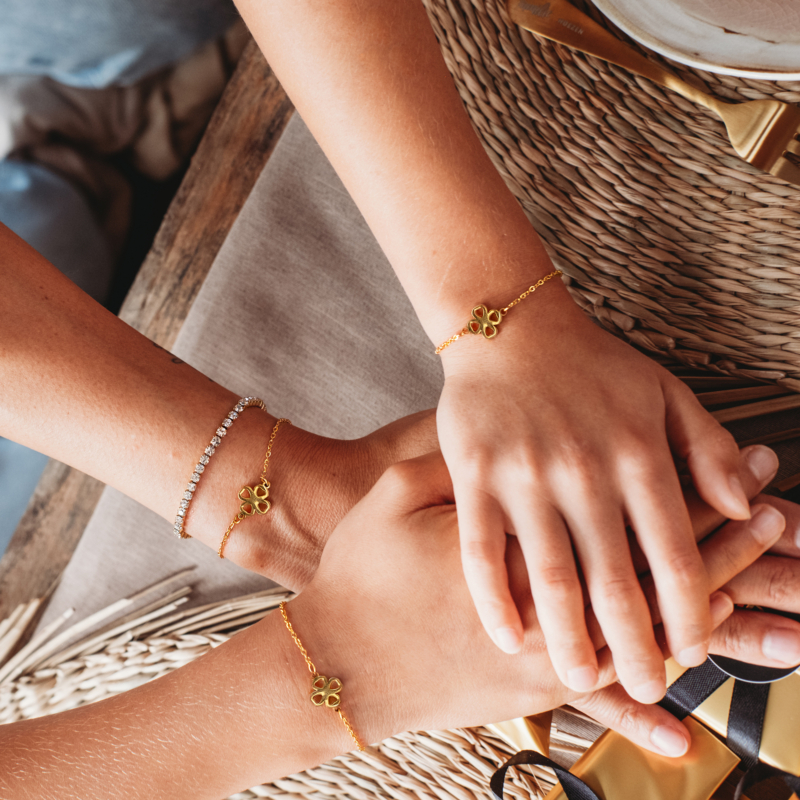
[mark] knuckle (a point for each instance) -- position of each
(475, 465)
(729, 638)
(480, 556)
(684, 568)
(720, 441)
(399, 478)
(628, 718)
(618, 594)
(782, 587)
(557, 579)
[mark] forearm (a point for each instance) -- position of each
(236, 717)
(82, 386)
(369, 80)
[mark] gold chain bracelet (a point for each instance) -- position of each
(325, 691)
(253, 499)
(486, 321)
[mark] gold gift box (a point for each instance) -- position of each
(617, 769)
(780, 741)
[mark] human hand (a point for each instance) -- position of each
(322, 481)
(564, 435)
(755, 637)
(389, 612)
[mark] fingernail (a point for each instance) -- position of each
(782, 645)
(763, 462)
(582, 679)
(669, 741)
(766, 524)
(508, 640)
(692, 656)
(739, 497)
(720, 607)
(649, 692)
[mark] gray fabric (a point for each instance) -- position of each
(300, 308)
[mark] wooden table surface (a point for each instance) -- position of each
(239, 140)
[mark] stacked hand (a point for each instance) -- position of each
(563, 435)
(390, 610)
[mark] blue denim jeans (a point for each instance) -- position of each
(90, 44)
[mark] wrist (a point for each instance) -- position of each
(340, 647)
(314, 481)
(541, 319)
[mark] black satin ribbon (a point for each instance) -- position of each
(692, 688)
(763, 772)
(745, 719)
(574, 788)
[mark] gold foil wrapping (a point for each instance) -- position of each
(526, 733)
(616, 769)
(780, 741)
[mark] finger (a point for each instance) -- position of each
(709, 451)
(734, 559)
(758, 638)
(481, 525)
(648, 726)
(789, 543)
(558, 596)
(734, 548)
(757, 467)
(658, 515)
(757, 464)
(599, 537)
(771, 582)
(721, 608)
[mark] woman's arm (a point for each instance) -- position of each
(388, 612)
(554, 430)
(82, 386)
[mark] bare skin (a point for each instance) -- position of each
(85, 363)
(89, 390)
(554, 431)
(240, 715)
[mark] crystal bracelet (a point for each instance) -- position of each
(246, 402)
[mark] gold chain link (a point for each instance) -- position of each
(315, 675)
(262, 481)
(503, 311)
(309, 663)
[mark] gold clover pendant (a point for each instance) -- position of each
(326, 692)
(485, 321)
(254, 499)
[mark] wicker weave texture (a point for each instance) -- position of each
(664, 234)
(437, 765)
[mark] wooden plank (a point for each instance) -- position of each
(749, 410)
(240, 138)
(740, 395)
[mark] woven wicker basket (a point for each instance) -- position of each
(667, 237)
(56, 672)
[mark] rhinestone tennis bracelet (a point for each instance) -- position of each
(179, 528)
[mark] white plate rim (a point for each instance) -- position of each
(608, 8)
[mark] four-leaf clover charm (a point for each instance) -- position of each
(485, 321)
(326, 692)
(254, 499)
